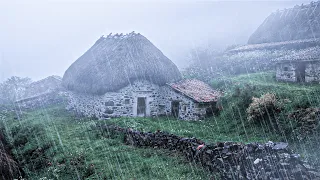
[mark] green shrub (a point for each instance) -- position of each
(30, 144)
(9, 168)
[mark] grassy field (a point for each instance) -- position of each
(52, 143)
(77, 151)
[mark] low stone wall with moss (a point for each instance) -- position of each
(231, 160)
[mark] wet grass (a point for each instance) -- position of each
(240, 89)
(81, 152)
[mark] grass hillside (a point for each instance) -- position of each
(53, 143)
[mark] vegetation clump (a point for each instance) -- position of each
(9, 168)
(307, 121)
(264, 108)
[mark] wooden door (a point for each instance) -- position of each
(141, 106)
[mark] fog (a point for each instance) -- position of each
(40, 38)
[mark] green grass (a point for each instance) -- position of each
(240, 89)
(74, 140)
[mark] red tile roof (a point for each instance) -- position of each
(196, 90)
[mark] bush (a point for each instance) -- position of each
(9, 168)
(30, 144)
(266, 108)
(306, 120)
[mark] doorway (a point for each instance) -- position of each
(175, 108)
(301, 72)
(141, 106)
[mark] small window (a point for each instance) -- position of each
(109, 103)
(286, 69)
(127, 101)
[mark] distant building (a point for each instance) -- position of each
(127, 76)
(299, 66)
(42, 93)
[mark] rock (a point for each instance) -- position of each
(280, 146)
(257, 161)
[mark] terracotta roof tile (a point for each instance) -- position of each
(196, 90)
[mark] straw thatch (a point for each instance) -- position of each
(299, 22)
(115, 61)
(308, 54)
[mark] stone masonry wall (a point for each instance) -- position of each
(188, 109)
(286, 72)
(231, 160)
(42, 100)
(116, 104)
(313, 72)
(123, 103)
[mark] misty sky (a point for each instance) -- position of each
(39, 38)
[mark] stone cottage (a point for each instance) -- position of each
(300, 66)
(127, 76)
(42, 93)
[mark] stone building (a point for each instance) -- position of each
(300, 66)
(42, 93)
(127, 76)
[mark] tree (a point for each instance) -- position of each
(13, 89)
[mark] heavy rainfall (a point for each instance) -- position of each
(159, 90)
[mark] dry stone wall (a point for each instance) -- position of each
(115, 104)
(313, 72)
(286, 71)
(188, 109)
(123, 103)
(231, 160)
(42, 100)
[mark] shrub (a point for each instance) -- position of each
(264, 109)
(30, 145)
(306, 120)
(9, 168)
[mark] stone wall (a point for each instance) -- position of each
(231, 160)
(42, 100)
(313, 72)
(188, 109)
(123, 103)
(287, 71)
(116, 104)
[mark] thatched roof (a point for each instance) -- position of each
(196, 90)
(115, 61)
(309, 54)
(299, 22)
(294, 44)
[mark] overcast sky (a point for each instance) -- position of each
(39, 38)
